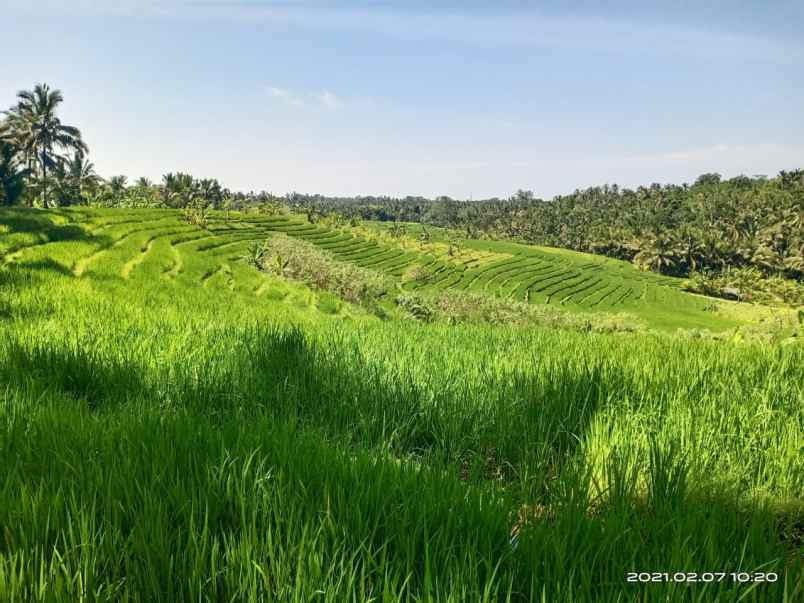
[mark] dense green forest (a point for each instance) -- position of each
(753, 227)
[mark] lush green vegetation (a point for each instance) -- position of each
(700, 231)
(742, 222)
(177, 425)
(300, 260)
(747, 284)
(507, 282)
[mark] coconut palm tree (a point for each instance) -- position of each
(33, 127)
(117, 185)
(689, 248)
(178, 189)
(74, 179)
(657, 253)
(209, 189)
(81, 172)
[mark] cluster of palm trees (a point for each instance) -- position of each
(177, 190)
(37, 147)
(679, 230)
(44, 162)
(182, 190)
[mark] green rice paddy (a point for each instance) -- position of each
(177, 426)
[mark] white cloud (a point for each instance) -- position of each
(285, 95)
(328, 99)
(324, 98)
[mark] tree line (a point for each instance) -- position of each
(45, 163)
(713, 224)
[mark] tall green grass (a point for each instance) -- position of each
(163, 439)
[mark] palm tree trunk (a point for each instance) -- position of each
(31, 162)
(44, 182)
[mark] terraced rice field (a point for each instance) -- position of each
(136, 241)
(119, 246)
(573, 281)
(539, 276)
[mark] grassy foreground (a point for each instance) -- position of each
(177, 426)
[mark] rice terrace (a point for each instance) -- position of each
(208, 394)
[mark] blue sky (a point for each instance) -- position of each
(457, 98)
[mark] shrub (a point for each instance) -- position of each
(255, 254)
(303, 261)
(328, 303)
(419, 274)
(416, 307)
(460, 307)
(746, 284)
(197, 214)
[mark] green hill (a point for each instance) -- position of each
(115, 243)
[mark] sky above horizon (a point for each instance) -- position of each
(466, 99)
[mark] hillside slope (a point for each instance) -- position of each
(119, 243)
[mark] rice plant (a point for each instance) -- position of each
(179, 426)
